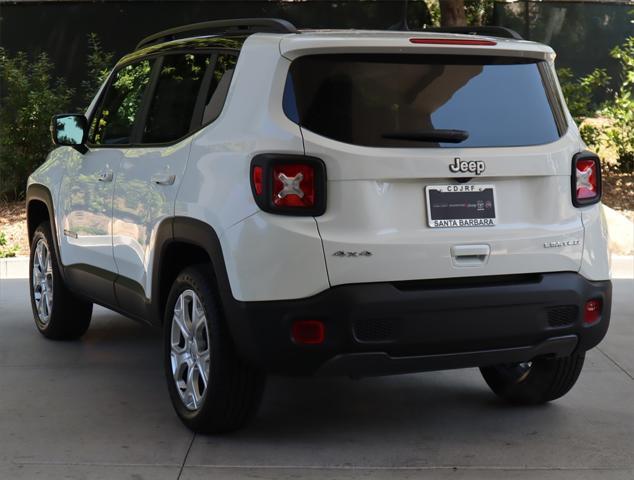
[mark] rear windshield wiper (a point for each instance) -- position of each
(440, 135)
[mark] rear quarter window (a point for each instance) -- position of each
(172, 105)
(370, 99)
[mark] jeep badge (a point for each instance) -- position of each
(464, 166)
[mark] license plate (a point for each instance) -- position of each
(460, 205)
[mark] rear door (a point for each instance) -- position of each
(438, 165)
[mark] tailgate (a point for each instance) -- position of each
(438, 165)
(383, 211)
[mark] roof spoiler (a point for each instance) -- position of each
(224, 27)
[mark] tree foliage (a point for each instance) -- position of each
(607, 127)
(460, 12)
(30, 96)
(98, 64)
(580, 93)
(620, 112)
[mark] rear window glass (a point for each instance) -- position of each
(423, 100)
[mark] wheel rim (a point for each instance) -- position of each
(42, 279)
(190, 354)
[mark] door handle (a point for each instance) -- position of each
(163, 179)
(105, 176)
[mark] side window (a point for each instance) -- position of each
(219, 87)
(114, 122)
(170, 114)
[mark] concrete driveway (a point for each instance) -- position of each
(98, 408)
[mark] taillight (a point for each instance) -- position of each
(256, 179)
(294, 185)
(586, 179)
(289, 184)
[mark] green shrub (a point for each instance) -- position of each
(620, 112)
(607, 128)
(580, 93)
(98, 65)
(30, 96)
(6, 250)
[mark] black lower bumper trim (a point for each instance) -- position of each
(380, 363)
(380, 328)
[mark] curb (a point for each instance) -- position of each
(14, 267)
(622, 266)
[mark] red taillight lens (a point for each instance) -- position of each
(257, 180)
(308, 332)
(289, 184)
(592, 311)
(293, 185)
(586, 179)
(452, 41)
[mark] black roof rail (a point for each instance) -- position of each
(227, 27)
(491, 31)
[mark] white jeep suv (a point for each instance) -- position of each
(327, 203)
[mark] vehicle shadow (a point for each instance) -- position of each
(292, 404)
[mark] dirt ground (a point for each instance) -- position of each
(618, 193)
(13, 225)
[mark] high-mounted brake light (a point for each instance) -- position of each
(289, 184)
(452, 41)
(586, 179)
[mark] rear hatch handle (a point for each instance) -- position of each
(470, 255)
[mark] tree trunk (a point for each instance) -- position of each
(452, 13)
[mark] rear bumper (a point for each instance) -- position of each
(402, 327)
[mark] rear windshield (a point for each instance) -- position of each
(424, 100)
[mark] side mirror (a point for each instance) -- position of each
(71, 130)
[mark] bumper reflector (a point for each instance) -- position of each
(592, 311)
(308, 332)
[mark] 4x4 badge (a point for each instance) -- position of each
(341, 253)
(467, 166)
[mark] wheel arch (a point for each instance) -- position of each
(183, 242)
(40, 208)
(202, 238)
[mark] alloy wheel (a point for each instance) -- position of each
(190, 354)
(42, 279)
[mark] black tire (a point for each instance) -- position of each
(541, 381)
(234, 389)
(69, 316)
